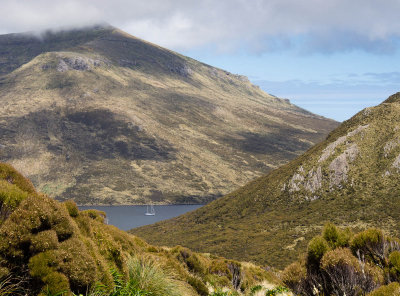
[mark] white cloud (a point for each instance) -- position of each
(256, 25)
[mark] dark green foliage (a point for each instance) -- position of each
(14, 188)
(255, 289)
(95, 214)
(72, 208)
(276, 291)
(9, 174)
(317, 247)
(372, 244)
(295, 277)
(55, 284)
(198, 285)
(393, 289)
(43, 241)
(394, 265)
(10, 197)
(336, 237)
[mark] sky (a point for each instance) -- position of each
(331, 57)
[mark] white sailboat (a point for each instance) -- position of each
(152, 212)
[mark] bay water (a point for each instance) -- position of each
(128, 217)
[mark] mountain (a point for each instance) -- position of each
(102, 117)
(52, 248)
(351, 179)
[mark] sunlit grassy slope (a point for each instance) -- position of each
(103, 117)
(352, 179)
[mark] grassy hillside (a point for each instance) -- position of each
(351, 178)
(103, 117)
(51, 248)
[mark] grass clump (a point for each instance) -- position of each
(145, 274)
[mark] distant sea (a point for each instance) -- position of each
(128, 217)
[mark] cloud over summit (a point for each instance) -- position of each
(311, 26)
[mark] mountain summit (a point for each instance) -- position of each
(106, 118)
(351, 179)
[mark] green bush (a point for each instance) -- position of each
(198, 285)
(10, 198)
(276, 291)
(336, 237)
(9, 174)
(44, 241)
(370, 243)
(95, 215)
(339, 256)
(72, 208)
(55, 283)
(394, 265)
(392, 289)
(294, 276)
(317, 247)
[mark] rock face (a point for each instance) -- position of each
(105, 118)
(351, 179)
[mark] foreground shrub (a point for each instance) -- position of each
(146, 275)
(392, 289)
(294, 276)
(394, 265)
(338, 263)
(58, 250)
(316, 249)
(346, 275)
(371, 243)
(336, 237)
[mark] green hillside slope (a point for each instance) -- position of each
(51, 248)
(103, 117)
(351, 179)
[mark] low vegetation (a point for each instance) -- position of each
(48, 248)
(340, 262)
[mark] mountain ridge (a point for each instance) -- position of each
(109, 108)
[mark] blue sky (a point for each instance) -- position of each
(332, 57)
(335, 85)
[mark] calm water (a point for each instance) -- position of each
(128, 217)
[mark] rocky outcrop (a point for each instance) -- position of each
(78, 63)
(182, 70)
(330, 149)
(314, 181)
(337, 169)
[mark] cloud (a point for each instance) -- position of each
(323, 26)
(340, 98)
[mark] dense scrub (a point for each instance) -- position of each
(340, 262)
(52, 248)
